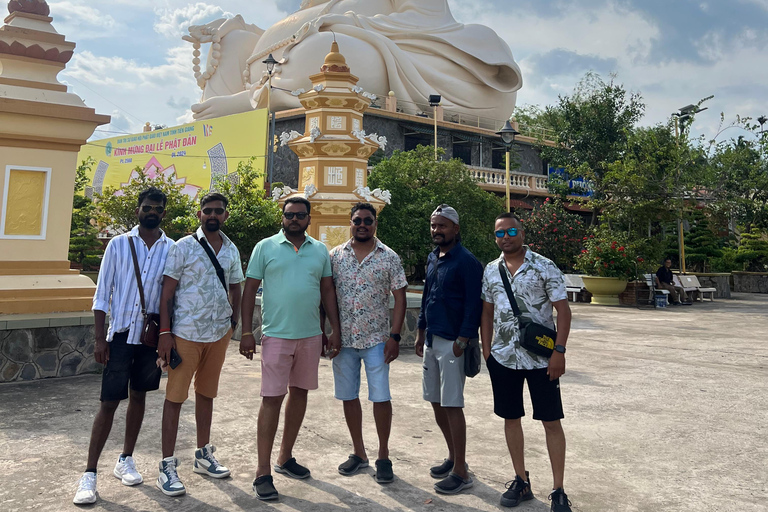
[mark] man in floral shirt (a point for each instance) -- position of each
(365, 271)
(538, 286)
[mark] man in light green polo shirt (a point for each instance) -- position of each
(295, 270)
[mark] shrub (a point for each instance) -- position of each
(608, 254)
(555, 233)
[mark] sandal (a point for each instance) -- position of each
(352, 465)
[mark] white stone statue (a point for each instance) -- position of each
(411, 47)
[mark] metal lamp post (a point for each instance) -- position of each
(508, 135)
(434, 102)
(681, 115)
(270, 63)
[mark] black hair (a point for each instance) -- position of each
(510, 215)
(154, 194)
(667, 259)
(363, 206)
(213, 196)
(299, 200)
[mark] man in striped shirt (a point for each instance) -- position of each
(126, 361)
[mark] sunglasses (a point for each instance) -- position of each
(368, 221)
(299, 215)
(147, 208)
(217, 211)
(511, 232)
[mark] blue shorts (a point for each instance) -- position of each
(346, 373)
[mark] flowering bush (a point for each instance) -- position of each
(607, 254)
(555, 233)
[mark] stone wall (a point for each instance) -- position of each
(750, 282)
(719, 281)
(37, 353)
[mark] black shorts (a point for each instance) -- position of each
(508, 392)
(136, 364)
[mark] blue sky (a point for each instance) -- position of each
(131, 63)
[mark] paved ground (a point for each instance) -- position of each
(665, 411)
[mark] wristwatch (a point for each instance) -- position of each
(395, 336)
(560, 348)
(462, 344)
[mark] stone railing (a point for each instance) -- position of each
(496, 179)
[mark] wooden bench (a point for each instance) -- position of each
(650, 280)
(693, 282)
(692, 291)
(574, 285)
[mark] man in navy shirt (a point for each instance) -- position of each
(449, 316)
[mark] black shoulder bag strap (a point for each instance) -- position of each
(215, 261)
(138, 276)
(508, 288)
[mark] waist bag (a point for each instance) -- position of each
(536, 338)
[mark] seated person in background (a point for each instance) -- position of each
(664, 282)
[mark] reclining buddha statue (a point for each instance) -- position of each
(413, 48)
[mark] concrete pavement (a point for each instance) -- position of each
(665, 411)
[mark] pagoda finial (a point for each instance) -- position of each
(335, 61)
(39, 7)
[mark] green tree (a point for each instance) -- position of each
(418, 185)
(740, 176)
(702, 244)
(753, 251)
(591, 128)
(85, 248)
(117, 208)
(253, 215)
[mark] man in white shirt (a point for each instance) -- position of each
(204, 302)
(126, 361)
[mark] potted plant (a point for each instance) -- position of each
(608, 260)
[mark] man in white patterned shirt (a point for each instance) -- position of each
(365, 271)
(538, 286)
(126, 360)
(204, 302)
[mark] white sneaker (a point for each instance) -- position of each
(125, 470)
(168, 480)
(86, 490)
(206, 463)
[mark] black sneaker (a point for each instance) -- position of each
(518, 490)
(442, 470)
(453, 484)
(559, 501)
(264, 488)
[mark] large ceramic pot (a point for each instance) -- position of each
(605, 290)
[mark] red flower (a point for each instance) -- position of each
(640, 259)
(621, 249)
(613, 262)
(555, 230)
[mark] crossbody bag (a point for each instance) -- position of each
(217, 267)
(150, 329)
(534, 337)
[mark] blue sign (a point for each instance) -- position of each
(577, 186)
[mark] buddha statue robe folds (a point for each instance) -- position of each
(411, 47)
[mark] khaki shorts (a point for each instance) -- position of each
(204, 361)
(443, 376)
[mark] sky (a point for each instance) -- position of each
(131, 63)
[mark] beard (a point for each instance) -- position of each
(362, 237)
(212, 225)
(293, 228)
(150, 222)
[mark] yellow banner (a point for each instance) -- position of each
(195, 152)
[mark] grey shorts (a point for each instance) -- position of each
(443, 376)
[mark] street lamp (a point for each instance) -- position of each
(682, 114)
(762, 120)
(270, 63)
(434, 102)
(508, 135)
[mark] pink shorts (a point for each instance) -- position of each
(287, 363)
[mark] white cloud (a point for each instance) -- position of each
(77, 18)
(173, 23)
